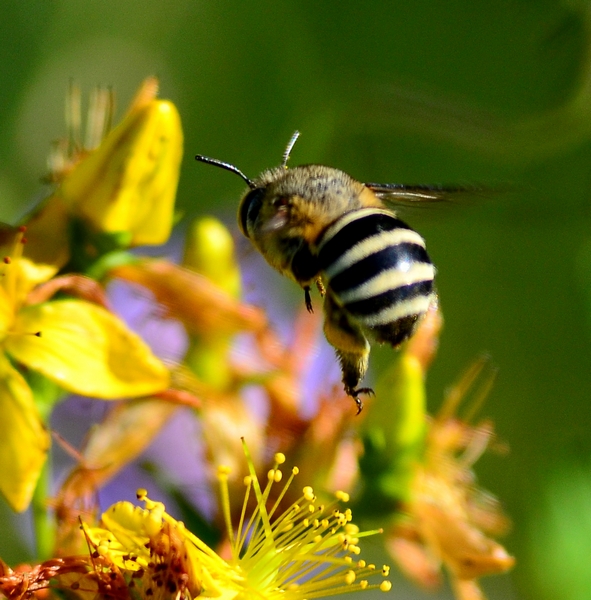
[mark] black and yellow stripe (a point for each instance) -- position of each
(376, 267)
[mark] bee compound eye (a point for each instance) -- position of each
(249, 208)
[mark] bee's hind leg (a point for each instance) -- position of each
(352, 349)
(308, 299)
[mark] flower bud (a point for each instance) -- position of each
(128, 184)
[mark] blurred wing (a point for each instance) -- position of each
(396, 194)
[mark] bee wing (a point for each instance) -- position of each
(397, 193)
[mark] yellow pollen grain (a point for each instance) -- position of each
(279, 458)
(247, 480)
(351, 529)
(348, 559)
(306, 522)
(342, 496)
(141, 494)
(349, 577)
(295, 470)
(363, 584)
(385, 586)
(277, 475)
(354, 549)
(309, 494)
(317, 539)
(361, 564)
(311, 508)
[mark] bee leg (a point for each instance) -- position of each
(308, 299)
(352, 349)
(321, 287)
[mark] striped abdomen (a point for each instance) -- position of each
(376, 267)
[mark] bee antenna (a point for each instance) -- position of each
(290, 145)
(227, 166)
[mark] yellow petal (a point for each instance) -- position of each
(86, 350)
(28, 275)
(24, 441)
(6, 312)
(129, 182)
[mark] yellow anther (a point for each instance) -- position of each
(308, 492)
(342, 496)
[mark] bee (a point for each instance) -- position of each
(319, 226)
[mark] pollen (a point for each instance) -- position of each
(342, 496)
(275, 475)
(308, 492)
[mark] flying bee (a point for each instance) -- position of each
(319, 226)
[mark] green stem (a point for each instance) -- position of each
(43, 523)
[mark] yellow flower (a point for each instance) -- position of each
(124, 184)
(307, 551)
(76, 344)
(128, 184)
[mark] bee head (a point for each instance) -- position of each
(252, 202)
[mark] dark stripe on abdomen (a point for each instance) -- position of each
(356, 231)
(365, 269)
(375, 304)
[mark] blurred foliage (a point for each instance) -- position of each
(423, 92)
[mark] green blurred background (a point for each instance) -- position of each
(493, 93)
